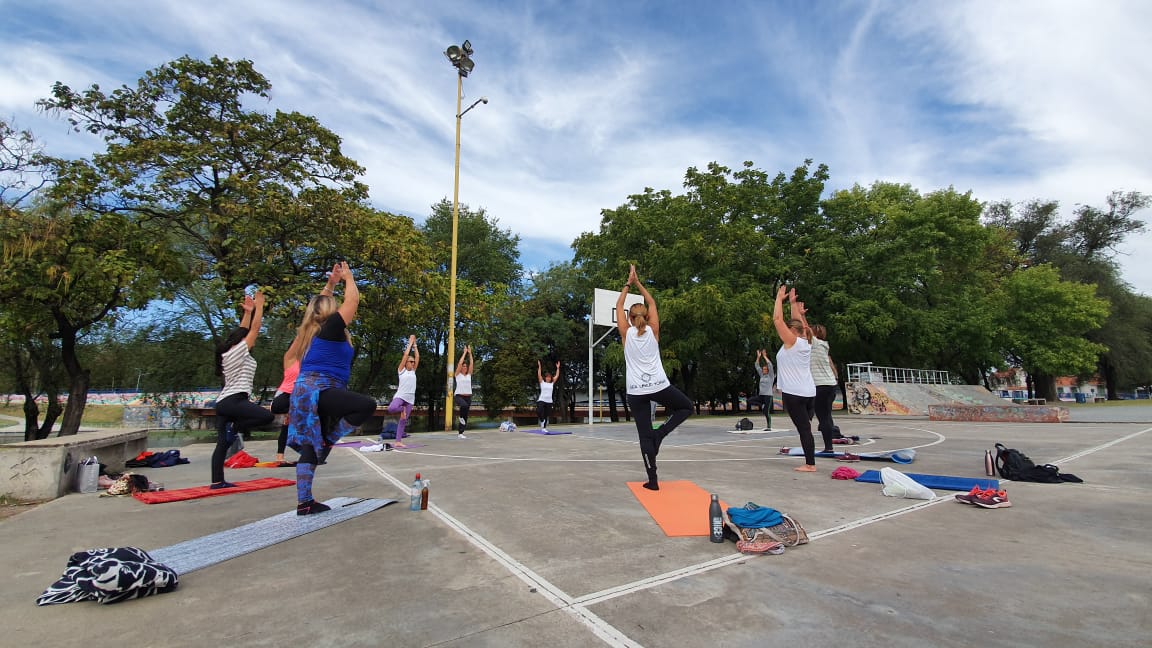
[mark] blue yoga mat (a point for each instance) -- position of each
(943, 482)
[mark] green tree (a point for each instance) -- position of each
(250, 197)
(68, 270)
(488, 287)
(1043, 322)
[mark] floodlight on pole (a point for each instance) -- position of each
(461, 59)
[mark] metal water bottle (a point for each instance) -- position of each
(715, 520)
(989, 464)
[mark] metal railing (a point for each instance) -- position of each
(866, 372)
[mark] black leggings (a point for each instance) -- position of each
(243, 415)
(797, 407)
(676, 405)
(280, 406)
(463, 405)
(543, 411)
(825, 395)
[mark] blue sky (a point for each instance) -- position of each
(593, 101)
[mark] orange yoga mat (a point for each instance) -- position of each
(679, 507)
(196, 492)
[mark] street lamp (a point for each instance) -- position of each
(461, 58)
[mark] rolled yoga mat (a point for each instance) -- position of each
(216, 548)
(903, 456)
(942, 482)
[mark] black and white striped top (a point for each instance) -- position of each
(239, 371)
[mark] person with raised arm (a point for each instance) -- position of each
(462, 396)
(547, 382)
(766, 397)
(646, 381)
(291, 361)
(793, 362)
(235, 414)
(405, 397)
(321, 389)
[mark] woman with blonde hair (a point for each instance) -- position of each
(283, 394)
(321, 389)
(794, 371)
(405, 398)
(646, 380)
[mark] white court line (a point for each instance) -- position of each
(1103, 446)
(667, 577)
(554, 595)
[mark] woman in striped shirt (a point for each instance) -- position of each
(235, 414)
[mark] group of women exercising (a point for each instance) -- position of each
(321, 410)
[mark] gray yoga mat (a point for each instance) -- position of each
(216, 548)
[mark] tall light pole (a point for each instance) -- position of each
(461, 58)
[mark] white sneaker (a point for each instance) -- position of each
(461, 436)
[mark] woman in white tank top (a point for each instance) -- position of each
(646, 380)
(544, 402)
(794, 371)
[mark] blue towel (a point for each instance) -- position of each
(755, 518)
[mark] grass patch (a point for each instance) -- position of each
(94, 415)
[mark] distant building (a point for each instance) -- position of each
(1012, 383)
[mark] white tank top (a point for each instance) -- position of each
(645, 373)
(463, 384)
(546, 392)
(407, 388)
(794, 369)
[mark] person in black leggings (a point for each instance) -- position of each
(235, 414)
(794, 371)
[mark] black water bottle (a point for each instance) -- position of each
(715, 520)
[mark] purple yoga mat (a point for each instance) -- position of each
(547, 432)
(354, 444)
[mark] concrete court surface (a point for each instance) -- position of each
(536, 541)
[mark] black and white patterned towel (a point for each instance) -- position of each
(110, 575)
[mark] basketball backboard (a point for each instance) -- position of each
(604, 305)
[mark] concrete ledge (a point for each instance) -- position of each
(35, 471)
(999, 413)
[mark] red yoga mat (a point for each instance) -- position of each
(680, 508)
(196, 492)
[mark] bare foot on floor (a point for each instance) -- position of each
(805, 468)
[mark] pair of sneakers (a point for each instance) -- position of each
(989, 498)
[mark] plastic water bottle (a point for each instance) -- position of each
(423, 495)
(414, 494)
(715, 520)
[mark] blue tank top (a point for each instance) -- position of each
(330, 353)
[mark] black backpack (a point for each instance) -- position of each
(1016, 466)
(744, 424)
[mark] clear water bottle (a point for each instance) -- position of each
(715, 520)
(414, 494)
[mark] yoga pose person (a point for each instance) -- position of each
(320, 391)
(824, 375)
(280, 400)
(797, 390)
(544, 402)
(235, 414)
(766, 398)
(462, 397)
(646, 380)
(405, 396)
